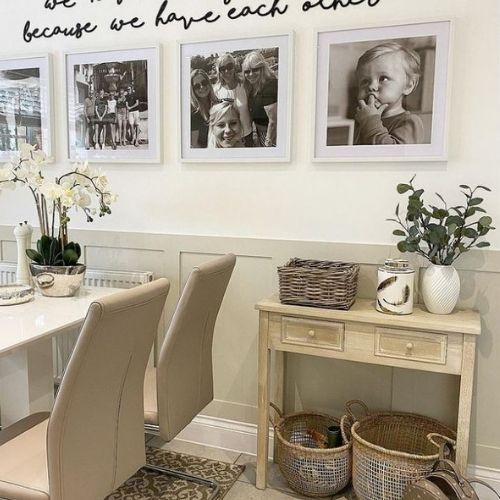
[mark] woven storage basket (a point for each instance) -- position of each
(392, 450)
(314, 472)
(318, 283)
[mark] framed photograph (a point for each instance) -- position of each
(113, 105)
(382, 93)
(25, 104)
(236, 99)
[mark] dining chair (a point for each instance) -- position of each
(93, 440)
(181, 385)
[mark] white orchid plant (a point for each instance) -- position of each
(77, 188)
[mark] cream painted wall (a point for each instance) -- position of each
(300, 202)
(297, 200)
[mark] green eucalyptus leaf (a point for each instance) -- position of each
(413, 231)
(440, 213)
(402, 246)
(455, 220)
(482, 244)
(476, 201)
(470, 233)
(403, 188)
(485, 221)
(464, 186)
(484, 187)
(398, 232)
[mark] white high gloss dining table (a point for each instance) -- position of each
(26, 364)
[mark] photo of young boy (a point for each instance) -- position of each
(386, 75)
(382, 93)
(382, 90)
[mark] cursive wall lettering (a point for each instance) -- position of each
(208, 17)
(52, 4)
(333, 4)
(165, 14)
(77, 31)
(261, 10)
(118, 24)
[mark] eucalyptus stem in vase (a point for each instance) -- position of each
(441, 234)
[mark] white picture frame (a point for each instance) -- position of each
(338, 137)
(26, 113)
(127, 135)
(277, 49)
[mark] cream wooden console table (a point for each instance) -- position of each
(420, 341)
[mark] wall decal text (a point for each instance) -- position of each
(164, 14)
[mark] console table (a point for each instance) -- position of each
(420, 341)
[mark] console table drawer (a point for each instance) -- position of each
(326, 334)
(413, 345)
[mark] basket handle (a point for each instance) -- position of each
(356, 402)
(278, 411)
(444, 443)
(346, 423)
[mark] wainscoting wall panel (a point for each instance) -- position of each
(311, 383)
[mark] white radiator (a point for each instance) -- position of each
(7, 273)
(64, 344)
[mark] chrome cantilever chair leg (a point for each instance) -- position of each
(154, 430)
(187, 477)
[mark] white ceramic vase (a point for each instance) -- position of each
(440, 288)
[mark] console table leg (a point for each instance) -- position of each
(263, 402)
(278, 379)
(465, 401)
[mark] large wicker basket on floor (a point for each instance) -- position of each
(392, 450)
(311, 471)
(318, 283)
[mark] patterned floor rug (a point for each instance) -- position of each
(149, 485)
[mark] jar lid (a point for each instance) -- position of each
(397, 263)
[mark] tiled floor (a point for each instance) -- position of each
(244, 489)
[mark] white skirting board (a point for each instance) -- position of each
(242, 438)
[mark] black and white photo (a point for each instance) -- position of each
(25, 108)
(112, 101)
(382, 93)
(235, 99)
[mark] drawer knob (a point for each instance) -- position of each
(311, 333)
(409, 346)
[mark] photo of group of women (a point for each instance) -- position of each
(234, 99)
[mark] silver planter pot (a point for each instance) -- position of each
(57, 281)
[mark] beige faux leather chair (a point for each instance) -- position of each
(93, 440)
(182, 383)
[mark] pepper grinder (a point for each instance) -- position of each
(23, 233)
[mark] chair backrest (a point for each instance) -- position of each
(184, 376)
(95, 437)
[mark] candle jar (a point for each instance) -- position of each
(395, 287)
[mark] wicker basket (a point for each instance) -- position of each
(318, 283)
(311, 471)
(392, 450)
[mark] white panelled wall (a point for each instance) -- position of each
(168, 214)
